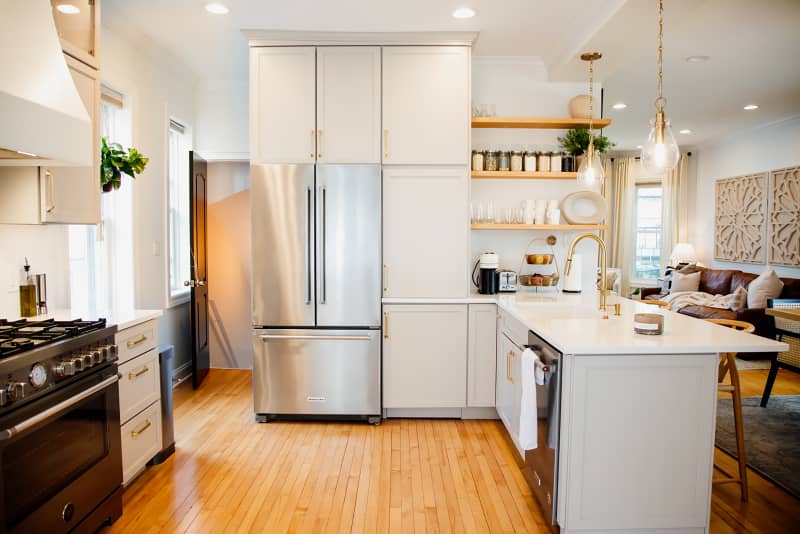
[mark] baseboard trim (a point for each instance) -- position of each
(483, 412)
(181, 374)
(441, 413)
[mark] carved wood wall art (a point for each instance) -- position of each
(741, 219)
(784, 217)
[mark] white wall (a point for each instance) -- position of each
(519, 87)
(47, 250)
(766, 148)
(158, 88)
(222, 115)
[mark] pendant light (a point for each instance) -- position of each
(660, 153)
(590, 172)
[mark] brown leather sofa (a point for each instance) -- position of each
(726, 281)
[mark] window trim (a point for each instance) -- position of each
(182, 296)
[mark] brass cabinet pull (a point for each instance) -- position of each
(137, 374)
(319, 144)
(385, 325)
(385, 278)
(51, 191)
(133, 342)
(311, 154)
(386, 143)
(135, 433)
(508, 366)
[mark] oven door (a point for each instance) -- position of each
(60, 456)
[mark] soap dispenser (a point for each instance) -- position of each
(27, 294)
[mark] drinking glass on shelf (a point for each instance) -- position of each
(489, 213)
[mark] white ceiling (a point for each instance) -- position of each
(754, 46)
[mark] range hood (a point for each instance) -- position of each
(43, 117)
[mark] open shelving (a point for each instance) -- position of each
(523, 175)
(553, 227)
(547, 123)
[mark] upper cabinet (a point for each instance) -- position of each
(349, 104)
(315, 104)
(426, 105)
(77, 23)
(282, 98)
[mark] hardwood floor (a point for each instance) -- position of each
(230, 474)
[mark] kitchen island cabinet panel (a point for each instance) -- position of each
(424, 356)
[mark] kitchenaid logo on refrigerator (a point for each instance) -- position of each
(316, 399)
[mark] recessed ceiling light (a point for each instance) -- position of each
(751, 107)
(620, 105)
(697, 59)
(464, 13)
(68, 9)
(217, 8)
(686, 131)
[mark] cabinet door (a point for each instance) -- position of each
(349, 104)
(426, 108)
(482, 354)
(425, 232)
(282, 102)
(503, 383)
(72, 194)
(515, 397)
(424, 356)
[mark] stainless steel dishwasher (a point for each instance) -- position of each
(541, 463)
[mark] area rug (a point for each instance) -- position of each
(772, 437)
(747, 365)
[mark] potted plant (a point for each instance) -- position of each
(116, 161)
(576, 141)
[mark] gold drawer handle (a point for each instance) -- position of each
(386, 143)
(135, 434)
(385, 325)
(508, 366)
(137, 374)
(133, 342)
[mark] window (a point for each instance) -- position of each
(648, 232)
(179, 212)
(101, 257)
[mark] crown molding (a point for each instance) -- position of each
(257, 38)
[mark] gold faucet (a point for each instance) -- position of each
(603, 266)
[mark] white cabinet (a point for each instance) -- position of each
(426, 105)
(139, 397)
(424, 356)
(349, 104)
(70, 195)
(282, 97)
(425, 232)
(508, 395)
(481, 355)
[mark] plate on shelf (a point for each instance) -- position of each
(584, 207)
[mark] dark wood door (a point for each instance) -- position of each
(199, 283)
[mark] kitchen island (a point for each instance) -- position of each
(637, 412)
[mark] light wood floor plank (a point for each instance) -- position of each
(230, 474)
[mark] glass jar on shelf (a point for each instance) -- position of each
(516, 161)
(543, 161)
(477, 160)
(490, 160)
(503, 161)
(555, 161)
(529, 162)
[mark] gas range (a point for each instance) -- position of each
(37, 357)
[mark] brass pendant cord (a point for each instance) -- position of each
(591, 57)
(660, 101)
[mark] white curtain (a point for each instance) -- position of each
(675, 209)
(619, 190)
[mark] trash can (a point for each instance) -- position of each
(166, 354)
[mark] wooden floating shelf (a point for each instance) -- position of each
(565, 227)
(537, 123)
(523, 175)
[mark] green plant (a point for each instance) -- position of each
(116, 161)
(576, 142)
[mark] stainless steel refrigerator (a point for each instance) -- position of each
(316, 297)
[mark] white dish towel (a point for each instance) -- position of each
(532, 375)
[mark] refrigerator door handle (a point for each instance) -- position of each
(309, 222)
(323, 192)
(267, 337)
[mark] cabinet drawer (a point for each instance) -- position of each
(139, 386)
(515, 330)
(141, 440)
(136, 340)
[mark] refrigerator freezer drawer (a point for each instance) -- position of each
(317, 372)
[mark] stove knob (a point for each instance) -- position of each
(15, 390)
(3, 397)
(97, 357)
(112, 353)
(88, 361)
(65, 368)
(77, 363)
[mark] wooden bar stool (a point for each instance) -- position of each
(727, 365)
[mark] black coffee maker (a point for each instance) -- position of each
(487, 280)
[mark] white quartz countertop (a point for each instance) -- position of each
(122, 318)
(574, 325)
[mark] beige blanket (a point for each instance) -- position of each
(681, 299)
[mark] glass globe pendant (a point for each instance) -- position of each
(591, 172)
(660, 153)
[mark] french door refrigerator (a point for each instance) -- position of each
(316, 297)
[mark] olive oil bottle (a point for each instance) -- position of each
(27, 294)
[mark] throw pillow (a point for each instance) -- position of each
(685, 282)
(766, 286)
(737, 301)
